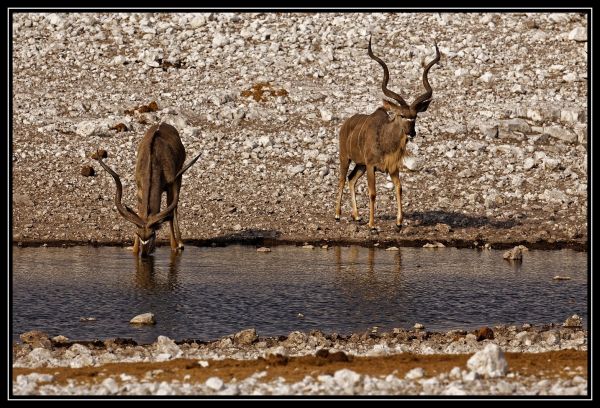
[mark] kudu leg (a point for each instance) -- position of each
(398, 188)
(136, 245)
(344, 164)
(176, 241)
(357, 173)
(372, 195)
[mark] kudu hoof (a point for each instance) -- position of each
(373, 231)
(337, 218)
(398, 227)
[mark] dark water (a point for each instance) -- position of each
(206, 293)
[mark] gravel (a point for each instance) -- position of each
(512, 84)
(486, 372)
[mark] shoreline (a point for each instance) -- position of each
(271, 242)
(547, 359)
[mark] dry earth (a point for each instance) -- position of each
(500, 157)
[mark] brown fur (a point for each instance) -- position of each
(377, 142)
(159, 167)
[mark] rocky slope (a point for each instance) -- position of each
(499, 157)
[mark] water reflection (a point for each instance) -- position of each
(206, 293)
(146, 277)
(376, 278)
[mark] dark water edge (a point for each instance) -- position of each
(209, 292)
(241, 239)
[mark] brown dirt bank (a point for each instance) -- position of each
(554, 364)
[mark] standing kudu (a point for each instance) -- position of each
(160, 158)
(377, 142)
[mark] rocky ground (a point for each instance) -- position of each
(500, 157)
(504, 360)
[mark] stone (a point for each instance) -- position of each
(484, 333)
(245, 337)
(60, 339)
(326, 115)
(487, 77)
(573, 321)
(214, 383)
(36, 339)
(513, 254)
(144, 318)
(489, 132)
(198, 21)
(345, 378)
(263, 249)
(219, 40)
(515, 125)
(550, 164)
(415, 374)
(88, 171)
(561, 133)
(528, 163)
(293, 170)
(412, 163)
(578, 34)
(489, 362)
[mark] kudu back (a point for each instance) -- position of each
(159, 167)
(377, 142)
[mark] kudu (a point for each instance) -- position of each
(160, 158)
(377, 142)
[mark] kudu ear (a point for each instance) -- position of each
(422, 107)
(387, 105)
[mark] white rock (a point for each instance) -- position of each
(165, 345)
(413, 163)
(489, 362)
(454, 389)
(455, 373)
(578, 34)
(293, 170)
(570, 77)
(346, 378)
(415, 373)
(198, 21)
(561, 133)
(554, 196)
(111, 386)
(487, 77)
(460, 72)
(470, 376)
(219, 40)
(265, 141)
(551, 164)
(214, 383)
(528, 163)
(326, 115)
(569, 115)
(144, 318)
(54, 19)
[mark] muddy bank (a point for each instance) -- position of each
(524, 360)
(373, 242)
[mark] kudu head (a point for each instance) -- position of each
(402, 112)
(146, 225)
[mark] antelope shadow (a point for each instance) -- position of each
(457, 220)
